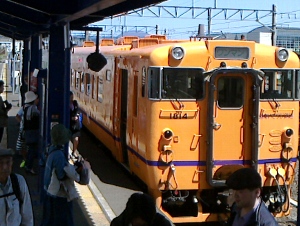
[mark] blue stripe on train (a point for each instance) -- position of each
(188, 163)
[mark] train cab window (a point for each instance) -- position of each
(230, 92)
(278, 84)
(88, 83)
(153, 81)
(100, 90)
(82, 82)
(182, 83)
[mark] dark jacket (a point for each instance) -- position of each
(122, 220)
(74, 124)
(261, 216)
(3, 114)
(142, 206)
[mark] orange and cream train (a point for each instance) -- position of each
(184, 115)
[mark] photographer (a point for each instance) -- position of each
(4, 108)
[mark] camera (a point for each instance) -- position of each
(7, 104)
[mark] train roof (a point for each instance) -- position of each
(134, 46)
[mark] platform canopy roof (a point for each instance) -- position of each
(21, 19)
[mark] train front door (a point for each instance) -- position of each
(232, 112)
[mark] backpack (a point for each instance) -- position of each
(83, 168)
(16, 189)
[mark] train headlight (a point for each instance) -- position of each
(177, 52)
(282, 54)
(167, 134)
(289, 132)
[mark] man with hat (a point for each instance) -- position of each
(57, 209)
(248, 208)
(15, 203)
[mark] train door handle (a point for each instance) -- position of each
(217, 126)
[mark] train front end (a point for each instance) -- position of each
(214, 107)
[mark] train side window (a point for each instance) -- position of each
(93, 86)
(230, 92)
(153, 81)
(100, 89)
(88, 83)
(82, 82)
(135, 96)
(73, 74)
(108, 75)
(77, 81)
(143, 81)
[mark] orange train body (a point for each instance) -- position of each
(183, 115)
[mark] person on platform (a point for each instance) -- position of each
(140, 211)
(4, 108)
(31, 125)
(15, 202)
(248, 208)
(58, 209)
(74, 124)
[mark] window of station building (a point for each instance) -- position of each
(278, 84)
(88, 83)
(100, 90)
(230, 92)
(82, 82)
(182, 83)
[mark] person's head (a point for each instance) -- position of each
(60, 134)
(140, 209)
(246, 184)
(31, 98)
(1, 86)
(243, 37)
(6, 161)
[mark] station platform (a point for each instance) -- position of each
(87, 208)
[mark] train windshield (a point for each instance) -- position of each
(182, 83)
(278, 84)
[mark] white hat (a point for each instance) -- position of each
(30, 96)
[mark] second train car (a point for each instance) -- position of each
(184, 115)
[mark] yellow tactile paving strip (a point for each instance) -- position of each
(90, 207)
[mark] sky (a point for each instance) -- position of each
(184, 27)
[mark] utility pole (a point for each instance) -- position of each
(208, 21)
(274, 29)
